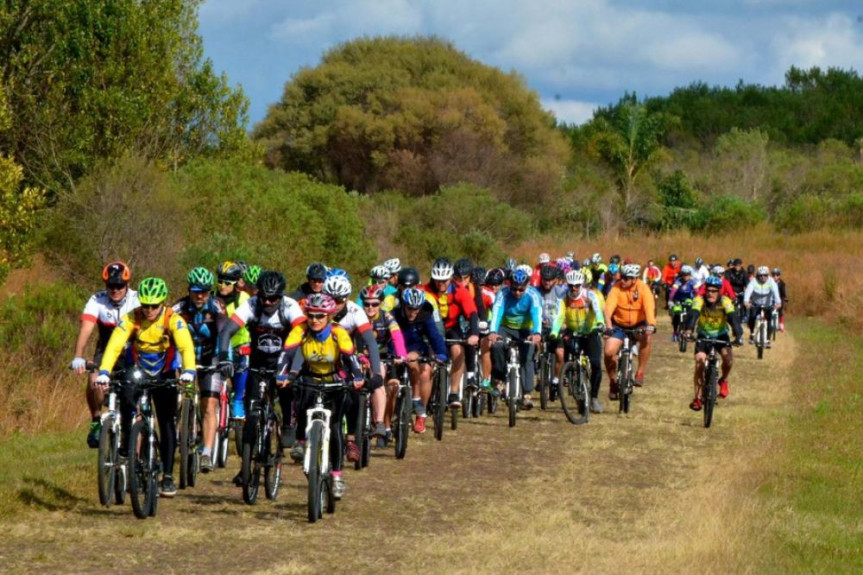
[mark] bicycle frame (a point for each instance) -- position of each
(318, 412)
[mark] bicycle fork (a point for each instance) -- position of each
(318, 412)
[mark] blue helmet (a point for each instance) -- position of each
(519, 277)
(713, 281)
(337, 272)
(413, 297)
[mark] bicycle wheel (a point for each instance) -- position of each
(139, 465)
(477, 404)
(107, 463)
(316, 483)
(708, 392)
(492, 400)
(401, 429)
(623, 374)
(250, 467)
(760, 338)
(468, 401)
(187, 444)
(362, 423)
(273, 454)
(223, 447)
(681, 342)
(544, 381)
(584, 388)
(512, 394)
(439, 391)
(120, 482)
(568, 391)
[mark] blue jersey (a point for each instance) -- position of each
(524, 312)
(421, 333)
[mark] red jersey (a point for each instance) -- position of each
(454, 302)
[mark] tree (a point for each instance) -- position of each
(91, 79)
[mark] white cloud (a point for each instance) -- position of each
(570, 111)
(832, 40)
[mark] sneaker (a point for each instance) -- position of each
(486, 383)
(289, 436)
(613, 390)
(782, 326)
(767, 344)
(383, 440)
(338, 486)
(751, 339)
(527, 404)
(638, 381)
(595, 406)
(298, 452)
(695, 405)
(420, 425)
(453, 401)
(206, 464)
(238, 410)
(353, 451)
(93, 434)
(167, 488)
(723, 388)
(419, 408)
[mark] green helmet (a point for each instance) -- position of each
(200, 279)
(252, 274)
(152, 291)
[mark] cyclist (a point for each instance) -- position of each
(103, 311)
(205, 317)
(316, 273)
(156, 333)
(719, 272)
(738, 279)
(629, 305)
(464, 272)
(583, 320)
(491, 284)
(250, 280)
(551, 295)
(230, 297)
(681, 294)
(407, 278)
(354, 321)
(783, 296)
(417, 323)
(608, 279)
(544, 259)
(453, 302)
(394, 265)
(669, 274)
(390, 342)
(711, 315)
(380, 276)
(761, 293)
(652, 276)
(325, 349)
(517, 314)
(700, 272)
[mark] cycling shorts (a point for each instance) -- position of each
(705, 347)
(617, 330)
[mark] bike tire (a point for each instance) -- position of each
(544, 381)
(476, 404)
(708, 392)
(106, 464)
(623, 373)
(223, 450)
(329, 497)
(584, 389)
(492, 402)
(185, 442)
(139, 465)
(316, 481)
(567, 392)
(273, 453)
(467, 402)
(401, 429)
(250, 468)
(362, 422)
(440, 409)
(512, 395)
(121, 483)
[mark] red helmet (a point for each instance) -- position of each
(116, 272)
(371, 292)
(320, 303)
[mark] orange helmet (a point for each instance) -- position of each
(116, 272)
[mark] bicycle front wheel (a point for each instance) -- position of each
(544, 381)
(440, 392)
(362, 424)
(512, 394)
(708, 392)
(250, 468)
(316, 480)
(107, 463)
(142, 474)
(569, 392)
(624, 385)
(273, 454)
(401, 429)
(188, 469)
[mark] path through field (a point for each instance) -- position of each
(651, 492)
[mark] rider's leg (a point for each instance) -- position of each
(457, 357)
(593, 347)
(612, 346)
(644, 347)
(727, 362)
(700, 358)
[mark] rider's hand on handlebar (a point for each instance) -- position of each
(650, 329)
(534, 337)
(103, 379)
(472, 339)
(359, 383)
(226, 368)
(441, 359)
(493, 337)
(608, 332)
(187, 378)
(79, 365)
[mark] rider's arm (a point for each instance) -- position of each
(368, 337)
(559, 316)
(398, 340)
(227, 331)
(468, 308)
(119, 337)
(611, 305)
(597, 308)
(775, 289)
(348, 356)
(496, 312)
(291, 358)
(437, 341)
(535, 310)
(84, 334)
(750, 287)
(183, 340)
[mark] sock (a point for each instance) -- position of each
(555, 380)
(207, 451)
(337, 474)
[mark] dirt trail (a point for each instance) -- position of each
(653, 491)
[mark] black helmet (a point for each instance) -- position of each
(478, 275)
(463, 267)
(495, 277)
(316, 271)
(271, 284)
(672, 258)
(409, 277)
(549, 272)
(738, 261)
(750, 269)
(615, 259)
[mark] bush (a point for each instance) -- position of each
(727, 213)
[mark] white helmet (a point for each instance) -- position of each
(544, 258)
(394, 265)
(718, 270)
(596, 258)
(763, 271)
(630, 271)
(337, 286)
(686, 270)
(380, 273)
(442, 270)
(585, 263)
(574, 278)
(525, 268)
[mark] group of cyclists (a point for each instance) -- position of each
(241, 324)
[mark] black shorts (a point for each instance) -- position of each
(704, 347)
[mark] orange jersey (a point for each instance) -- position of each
(628, 308)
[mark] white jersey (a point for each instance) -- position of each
(354, 319)
(269, 331)
(700, 275)
(106, 314)
(762, 294)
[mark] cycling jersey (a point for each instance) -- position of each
(388, 335)
(762, 294)
(522, 312)
(597, 275)
(154, 342)
(630, 307)
(670, 271)
(738, 279)
(323, 353)
(551, 307)
(106, 314)
(391, 303)
(268, 331)
(582, 312)
(353, 318)
(453, 303)
(241, 338)
(421, 332)
(651, 274)
(204, 325)
(683, 290)
(712, 321)
(700, 275)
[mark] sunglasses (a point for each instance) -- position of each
(315, 281)
(227, 282)
(762, 275)
(271, 298)
(316, 316)
(712, 290)
(339, 300)
(519, 289)
(411, 309)
(371, 304)
(150, 305)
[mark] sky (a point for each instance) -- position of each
(577, 55)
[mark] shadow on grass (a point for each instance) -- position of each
(43, 494)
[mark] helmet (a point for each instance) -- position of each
(576, 265)
(596, 258)
(672, 258)
(718, 270)
(750, 269)
(519, 277)
(229, 271)
(777, 272)
(316, 271)
(686, 270)
(271, 284)
(478, 275)
(413, 297)
(575, 278)
(729, 263)
(116, 273)
(548, 272)
(442, 269)
(738, 261)
(200, 279)
(585, 263)
(337, 286)
(615, 259)
(380, 273)
(526, 269)
(613, 268)
(394, 265)
(337, 272)
(510, 265)
(713, 281)
(699, 262)
(409, 277)
(544, 258)
(252, 274)
(152, 291)
(371, 292)
(494, 277)
(630, 271)
(243, 265)
(320, 303)
(463, 267)
(763, 271)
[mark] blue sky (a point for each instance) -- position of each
(575, 54)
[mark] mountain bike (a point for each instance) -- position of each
(683, 309)
(514, 398)
(189, 431)
(316, 461)
(437, 404)
(401, 423)
(710, 381)
(262, 445)
(222, 446)
(111, 466)
(144, 462)
(574, 384)
(624, 367)
(545, 361)
(473, 396)
(761, 331)
(364, 429)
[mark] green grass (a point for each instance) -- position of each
(46, 472)
(816, 485)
